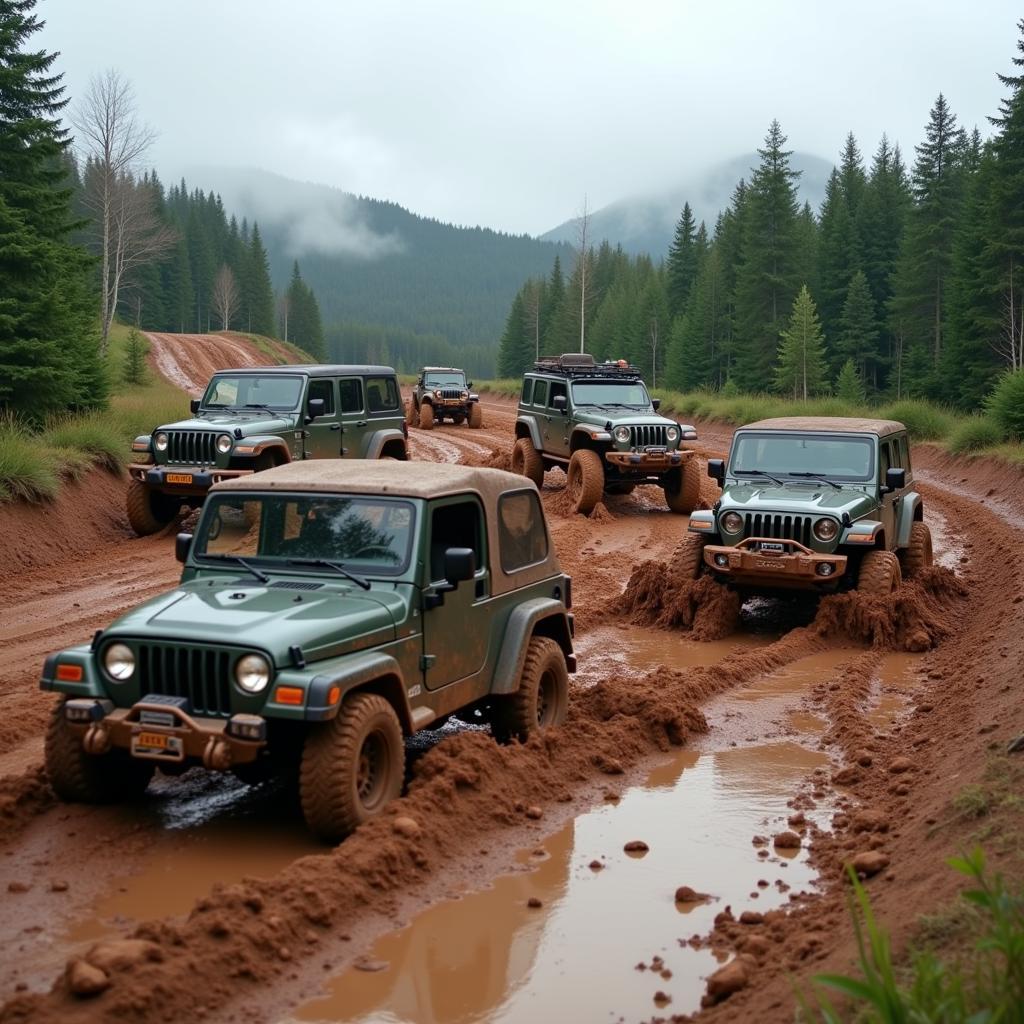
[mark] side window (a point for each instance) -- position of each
(905, 454)
(323, 389)
(459, 525)
(350, 391)
(381, 394)
(522, 538)
(527, 391)
(896, 452)
(540, 393)
(557, 388)
(884, 460)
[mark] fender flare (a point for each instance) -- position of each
(374, 671)
(521, 625)
(380, 438)
(532, 431)
(261, 443)
(911, 508)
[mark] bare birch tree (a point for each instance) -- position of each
(225, 295)
(582, 244)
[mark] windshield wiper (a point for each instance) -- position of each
(336, 566)
(756, 472)
(256, 405)
(261, 576)
(815, 476)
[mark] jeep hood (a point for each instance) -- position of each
(599, 415)
(251, 421)
(333, 620)
(798, 499)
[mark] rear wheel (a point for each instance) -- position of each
(411, 415)
(426, 416)
(476, 416)
(682, 487)
(879, 574)
(586, 480)
(352, 767)
(149, 511)
(688, 560)
(542, 698)
(918, 553)
(526, 461)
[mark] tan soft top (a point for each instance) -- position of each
(834, 424)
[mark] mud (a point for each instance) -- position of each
(657, 595)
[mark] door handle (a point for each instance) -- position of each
(361, 423)
(335, 426)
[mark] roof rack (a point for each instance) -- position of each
(582, 364)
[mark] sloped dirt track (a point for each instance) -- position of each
(253, 949)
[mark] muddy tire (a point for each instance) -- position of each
(682, 487)
(586, 481)
(78, 777)
(542, 698)
(352, 767)
(411, 416)
(426, 416)
(879, 574)
(917, 555)
(149, 511)
(526, 461)
(476, 416)
(688, 560)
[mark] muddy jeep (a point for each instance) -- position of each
(598, 423)
(814, 504)
(252, 419)
(325, 612)
(442, 392)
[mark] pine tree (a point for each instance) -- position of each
(839, 251)
(305, 326)
(695, 351)
(515, 349)
(801, 356)
(857, 337)
(682, 262)
(651, 329)
(134, 371)
(258, 300)
(849, 386)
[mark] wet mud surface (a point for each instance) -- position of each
(207, 900)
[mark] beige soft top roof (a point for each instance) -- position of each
(835, 424)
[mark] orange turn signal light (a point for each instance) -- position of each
(69, 673)
(290, 695)
(333, 694)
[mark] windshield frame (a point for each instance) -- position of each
(222, 375)
(430, 381)
(870, 441)
(621, 385)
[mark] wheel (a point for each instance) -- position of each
(149, 511)
(410, 412)
(682, 487)
(879, 574)
(458, 418)
(352, 766)
(688, 559)
(586, 480)
(526, 461)
(917, 554)
(476, 416)
(542, 698)
(426, 416)
(79, 777)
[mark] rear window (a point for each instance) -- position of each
(527, 391)
(381, 394)
(522, 538)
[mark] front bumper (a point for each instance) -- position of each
(648, 461)
(793, 566)
(182, 479)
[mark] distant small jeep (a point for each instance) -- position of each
(816, 504)
(325, 612)
(442, 392)
(252, 419)
(598, 423)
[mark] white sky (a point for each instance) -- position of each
(505, 114)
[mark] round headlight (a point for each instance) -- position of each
(160, 441)
(732, 522)
(119, 661)
(465, 395)
(223, 443)
(826, 529)
(671, 434)
(252, 673)
(621, 434)
(437, 393)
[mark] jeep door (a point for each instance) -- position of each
(888, 457)
(352, 402)
(323, 439)
(556, 428)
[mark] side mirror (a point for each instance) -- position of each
(895, 479)
(315, 407)
(459, 565)
(559, 402)
(194, 406)
(656, 402)
(182, 546)
(469, 383)
(716, 470)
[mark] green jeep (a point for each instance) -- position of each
(255, 418)
(598, 423)
(443, 392)
(812, 503)
(325, 612)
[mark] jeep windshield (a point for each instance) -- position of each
(802, 456)
(288, 533)
(253, 391)
(445, 380)
(632, 394)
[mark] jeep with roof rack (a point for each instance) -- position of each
(442, 392)
(253, 418)
(811, 503)
(597, 422)
(326, 611)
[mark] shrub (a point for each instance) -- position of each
(97, 436)
(976, 433)
(134, 369)
(926, 422)
(1006, 404)
(849, 386)
(28, 470)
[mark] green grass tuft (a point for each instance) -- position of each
(975, 434)
(924, 421)
(28, 471)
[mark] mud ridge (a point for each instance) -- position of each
(22, 798)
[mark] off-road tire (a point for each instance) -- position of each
(426, 416)
(542, 697)
(917, 555)
(78, 777)
(585, 482)
(682, 487)
(879, 574)
(526, 461)
(688, 559)
(149, 511)
(342, 783)
(476, 416)
(411, 415)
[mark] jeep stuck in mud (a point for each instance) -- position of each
(325, 612)
(255, 418)
(819, 504)
(598, 423)
(442, 392)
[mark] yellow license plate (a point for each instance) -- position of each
(152, 740)
(179, 478)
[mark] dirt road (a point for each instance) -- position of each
(238, 916)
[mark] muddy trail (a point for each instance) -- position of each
(743, 771)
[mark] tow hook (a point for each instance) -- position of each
(96, 739)
(217, 754)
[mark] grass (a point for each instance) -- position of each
(271, 348)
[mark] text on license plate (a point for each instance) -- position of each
(179, 478)
(157, 744)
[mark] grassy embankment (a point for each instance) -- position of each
(35, 462)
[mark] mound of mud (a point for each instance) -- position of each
(557, 503)
(499, 458)
(22, 798)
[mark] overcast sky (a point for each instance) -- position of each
(506, 114)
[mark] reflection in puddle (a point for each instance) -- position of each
(896, 676)
(491, 957)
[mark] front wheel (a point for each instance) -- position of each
(476, 416)
(682, 487)
(542, 697)
(879, 574)
(426, 416)
(149, 511)
(352, 767)
(585, 480)
(688, 560)
(410, 413)
(918, 553)
(526, 461)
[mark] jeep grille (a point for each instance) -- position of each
(202, 674)
(451, 392)
(191, 447)
(778, 527)
(648, 436)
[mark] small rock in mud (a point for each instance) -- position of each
(798, 819)
(848, 776)
(369, 965)
(609, 765)
(684, 894)
(759, 841)
(662, 998)
(899, 765)
(58, 885)
(121, 954)
(610, 797)
(534, 902)
(724, 917)
(756, 945)
(870, 821)
(864, 758)
(534, 813)
(869, 863)
(787, 841)
(751, 917)
(734, 976)
(636, 846)
(86, 980)
(408, 827)
(18, 887)
(596, 865)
